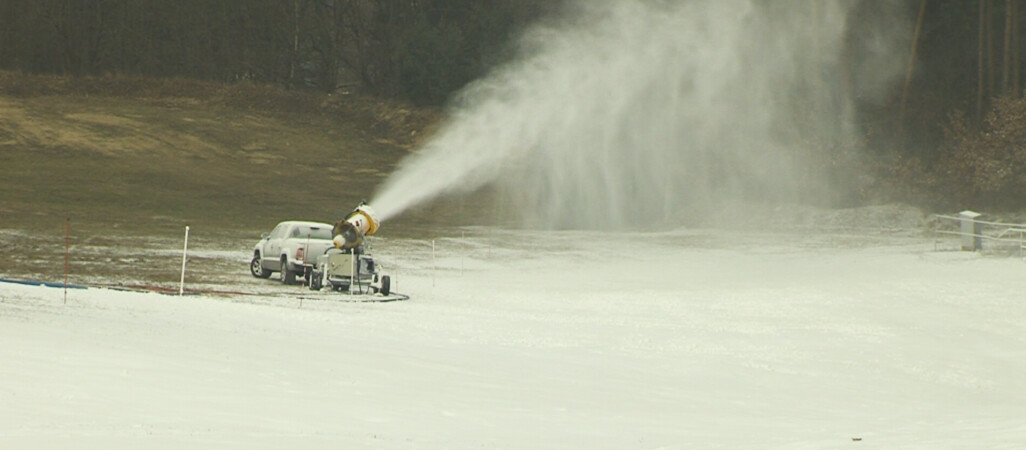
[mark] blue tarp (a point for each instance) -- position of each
(41, 283)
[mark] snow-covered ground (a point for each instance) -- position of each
(544, 340)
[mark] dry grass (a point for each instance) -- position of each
(147, 155)
(393, 121)
(132, 161)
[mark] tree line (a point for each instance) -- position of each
(957, 114)
(954, 132)
(420, 50)
(963, 53)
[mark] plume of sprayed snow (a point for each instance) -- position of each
(647, 111)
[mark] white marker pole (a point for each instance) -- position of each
(68, 254)
(185, 250)
(434, 265)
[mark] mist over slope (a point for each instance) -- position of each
(659, 110)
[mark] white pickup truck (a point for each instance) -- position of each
(291, 249)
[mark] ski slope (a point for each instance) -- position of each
(688, 339)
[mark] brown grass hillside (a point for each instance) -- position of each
(146, 155)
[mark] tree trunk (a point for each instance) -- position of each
(911, 65)
(1015, 47)
(1006, 72)
(979, 73)
(991, 69)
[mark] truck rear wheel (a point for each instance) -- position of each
(286, 275)
(386, 285)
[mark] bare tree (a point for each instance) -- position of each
(980, 66)
(911, 66)
(1015, 47)
(1007, 54)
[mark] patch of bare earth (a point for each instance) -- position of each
(134, 157)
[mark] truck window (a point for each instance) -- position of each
(277, 232)
(311, 232)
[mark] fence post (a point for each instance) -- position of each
(971, 231)
(67, 257)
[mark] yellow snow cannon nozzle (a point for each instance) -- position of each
(349, 232)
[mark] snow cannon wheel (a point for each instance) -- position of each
(386, 285)
(315, 280)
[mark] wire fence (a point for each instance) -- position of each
(979, 235)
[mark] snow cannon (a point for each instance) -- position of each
(349, 232)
